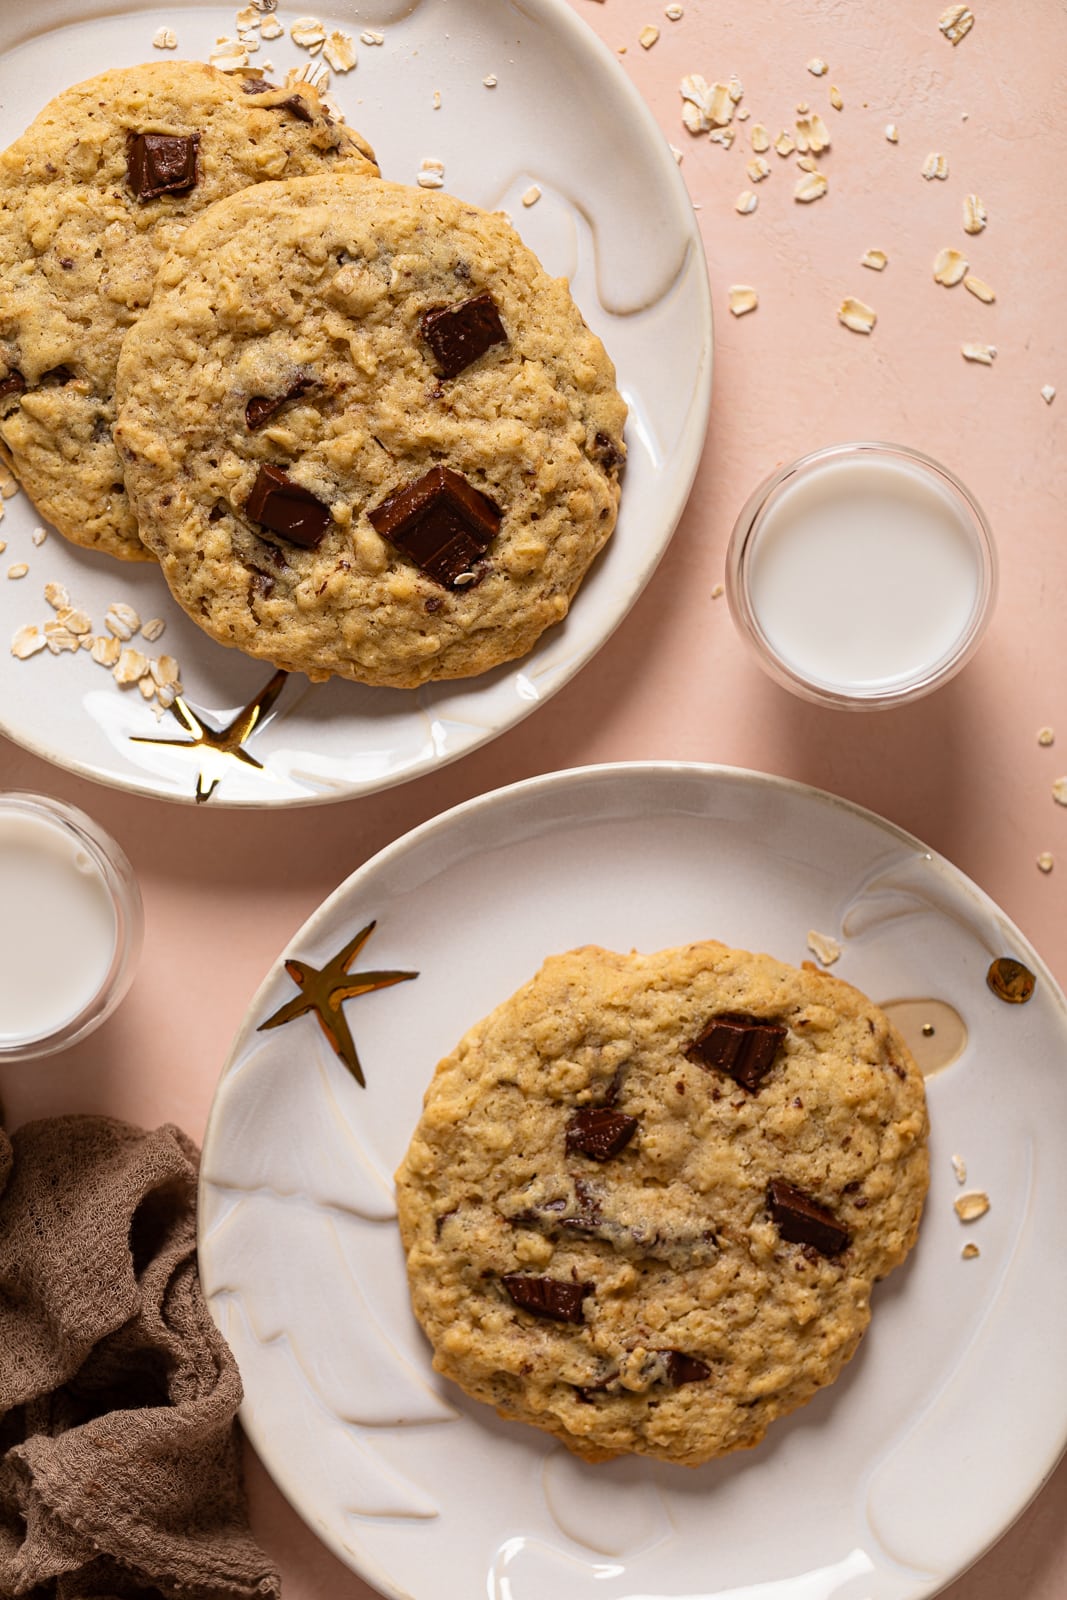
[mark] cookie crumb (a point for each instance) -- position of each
(718, 591)
(956, 23)
(891, 133)
(1048, 393)
(1045, 737)
(673, 13)
(1045, 862)
(985, 354)
(648, 36)
(532, 195)
(969, 1207)
(817, 67)
(877, 260)
(431, 174)
(969, 1251)
(490, 80)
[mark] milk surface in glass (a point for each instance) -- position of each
(57, 927)
(863, 573)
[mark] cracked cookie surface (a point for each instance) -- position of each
(79, 250)
(366, 433)
(669, 1288)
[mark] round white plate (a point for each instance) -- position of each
(891, 1481)
(613, 217)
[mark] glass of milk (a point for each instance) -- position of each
(863, 575)
(70, 925)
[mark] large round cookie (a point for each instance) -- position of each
(367, 434)
(649, 1196)
(89, 207)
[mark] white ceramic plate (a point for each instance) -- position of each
(613, 216)
(891, 1481)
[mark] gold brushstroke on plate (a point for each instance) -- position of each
(323, 991)
(226, 743)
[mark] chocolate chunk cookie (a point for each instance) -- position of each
(621, 1231)
(366, 433)
(92, 198)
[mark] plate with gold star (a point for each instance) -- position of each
(882, 1485)
(473, 83)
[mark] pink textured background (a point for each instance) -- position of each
(225, 891)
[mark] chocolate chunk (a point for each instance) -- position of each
(261, 407)
(161, 163)
(14, 383)
(685, 1369)
(458, 334)
(257, 86)
(599, 1133)
(548, 1297)
(607, 452)
(276, 502)
(441, 522)
(55, 376)
(743, 1047)
(801, 1220)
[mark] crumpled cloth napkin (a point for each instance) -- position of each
(119, 1466)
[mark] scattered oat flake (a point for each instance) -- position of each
(372, 36)
(742, 114)
(744, 298)
(891, 133)
(759, 138)
(985, 354)
(1045, 737)
(856, 315)
(812, 186)
(431, 175)
(784, 144)
(956, 23)
(105, 650)
(339, 51)
(1048, 393)
(1044, 861)
(490, 81)
(969, 1207)
(807, 164)
(1059, 791)
(974, 214)
(818, 134)
(877, 260)
(147, 688)
(229, 55)
(959, 1167)
(758, 169)
(746, 202)
(970, 1251)
(823, 947)
(675, 152)
(436, 100)
(532, 195)
(130, 667)
(836, 99)
(152, 629)
(718, 591)
(308, 33)
(950, 267)
(58, 638)
(935, 166)
(39, 535)
(19, 570)
(3, 546)
(673, 13)
(8, 483)
(27, 642)
(271, 29)
(648, 36)
(165, 39)
(723, 136)
(75, 620)
(979, 288)
(817, 67)
(56, 595)
(121, 620)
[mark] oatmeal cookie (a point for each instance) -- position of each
(366, 434)
(92, 198)
(649, 1196)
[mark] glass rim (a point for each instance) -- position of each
(117, 875)
(925, 678)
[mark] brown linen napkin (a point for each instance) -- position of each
(119, 1467)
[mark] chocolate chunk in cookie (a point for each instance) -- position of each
(14, 383)
(801, 1220)
(742, 1047)
(547, 1297)
(262, 407)
(286, 508)
(441, 522)
(685, 1369)
(459, 334)
(161, 163)
(599, 1133)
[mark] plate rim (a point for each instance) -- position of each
(559, 15)
(618, 772)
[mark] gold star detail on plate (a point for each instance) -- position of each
(220, 745)
(323, 991)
